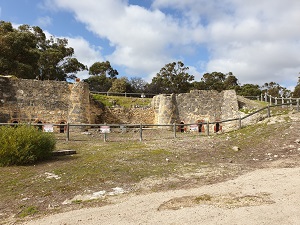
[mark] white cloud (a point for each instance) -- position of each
(85, 53)
(44, 21)
(256, 40)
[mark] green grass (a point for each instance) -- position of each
(126, 102)
(28, 211)
(100, 165)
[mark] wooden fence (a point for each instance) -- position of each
(139, 130)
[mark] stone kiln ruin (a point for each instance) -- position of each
(196, 106)
(57, 102)
(43, 101)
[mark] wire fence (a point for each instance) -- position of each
(125, 94)
(146, 132)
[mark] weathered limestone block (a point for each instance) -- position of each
(56, 102)
(198, 105)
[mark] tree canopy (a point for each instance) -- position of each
(172, 78)
(27, 53)
(104, 69)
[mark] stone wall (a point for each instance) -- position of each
(127, 116)
(61, 102)
(23, 100)
(198, 105)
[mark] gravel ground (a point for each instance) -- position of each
(262, 188)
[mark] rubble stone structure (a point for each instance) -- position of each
(58, 102)
(196, 106)
(35, 101)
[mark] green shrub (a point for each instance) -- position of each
(24, 145)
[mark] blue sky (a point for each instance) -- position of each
(258, 40)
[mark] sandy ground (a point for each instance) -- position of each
(264, 196)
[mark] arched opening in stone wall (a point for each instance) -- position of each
(201, 127)
(217, 127)
(182, 127)
(39, 126)
(62, 128)
(14, 121)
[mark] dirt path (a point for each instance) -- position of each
(264, 196)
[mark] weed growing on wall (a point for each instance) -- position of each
(24, 145)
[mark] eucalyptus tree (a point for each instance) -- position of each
(27, 53)
(172, 78)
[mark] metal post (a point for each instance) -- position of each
(207, 128)
(68, 132)
(141, 132)
(105, 137)
(266, 97)
(269, 113)
(174, 127)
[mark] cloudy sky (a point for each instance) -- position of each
(258, 40)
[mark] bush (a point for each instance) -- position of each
(24, 145)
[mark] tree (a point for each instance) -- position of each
(26, 53)
(173, 78)
(102, 76)
(56, 62)
(214, 81)
(99, 83)
(120, 85)
(275, 90)
(217, 81)
(103, 68)
(296, 92)
(137, 84)
(249, 90)
(19, 55)
(231, 82)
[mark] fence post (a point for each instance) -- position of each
(240, 122)
(141, 132)
(174, 127)
(207, 128)
(269, 113)
(270, 99)
(282, 102)
(266, 97)
(68, 132)
(105, 137)
(275, 100)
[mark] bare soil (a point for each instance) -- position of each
(246, 177)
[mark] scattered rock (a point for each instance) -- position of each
(63, 152)
(297, 141)
(236, 148)
(52, 175)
